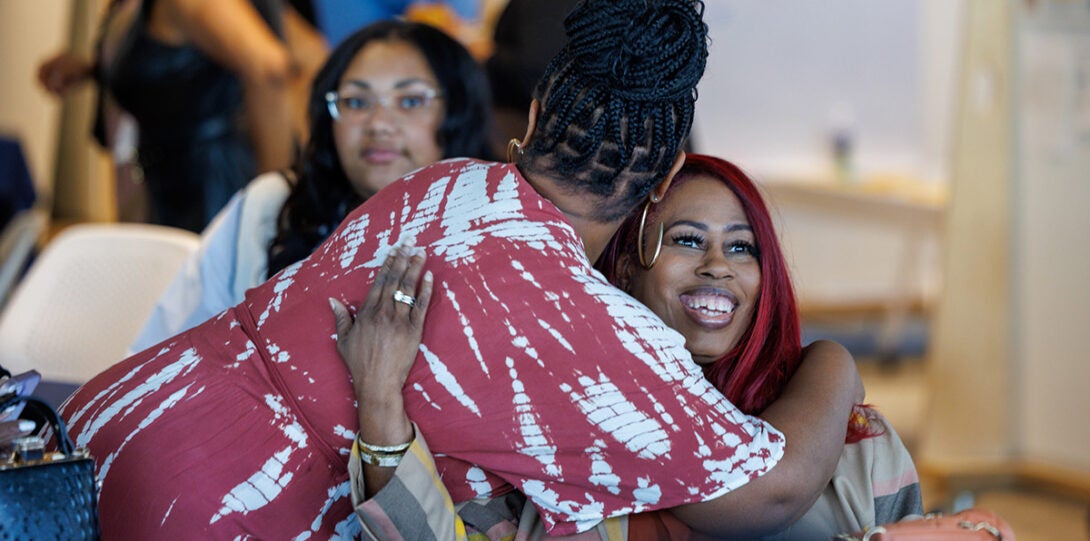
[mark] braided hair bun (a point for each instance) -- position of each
(617, 101)
(641, 49)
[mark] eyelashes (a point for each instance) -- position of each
(690, 240)
(743, 247)
(697, 241)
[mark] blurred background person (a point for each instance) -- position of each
(209, 86)
(393, 97)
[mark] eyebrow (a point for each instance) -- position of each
(704, 227)
(399, 85)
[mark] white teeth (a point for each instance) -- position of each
(711, 304)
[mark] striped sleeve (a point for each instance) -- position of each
(415, 505)
(894, 479)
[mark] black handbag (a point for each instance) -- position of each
(47, 495)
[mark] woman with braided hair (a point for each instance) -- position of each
(714, 272)
(582, 138)
(534, 374)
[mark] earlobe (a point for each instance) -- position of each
(660, 191)
(623, 273)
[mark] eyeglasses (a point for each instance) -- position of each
(357, 104)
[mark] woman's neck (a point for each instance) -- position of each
(579, 209)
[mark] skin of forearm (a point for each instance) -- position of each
(308, 51)
(270, 124)
(813, 415)
(385, 423)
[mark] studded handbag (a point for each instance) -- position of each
(46, 495)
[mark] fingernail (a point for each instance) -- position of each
(427, 276)
(333, 304)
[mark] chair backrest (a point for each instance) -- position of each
(86, 296)
(17, 242)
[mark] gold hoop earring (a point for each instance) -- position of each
(513, 146)
(639, 240)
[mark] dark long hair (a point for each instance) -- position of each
(323, 195)
(617, 101)
(755, 372)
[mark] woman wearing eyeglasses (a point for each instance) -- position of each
(393, 97)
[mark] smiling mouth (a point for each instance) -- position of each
(710, 308)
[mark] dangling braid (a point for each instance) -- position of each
(617, 102)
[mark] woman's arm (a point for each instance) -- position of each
(64, 71)
(379, 347)
(234, 35)
(308, 52)
(813, 415)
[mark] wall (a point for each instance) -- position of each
(1009, 365)
(971, 361)
(782, 77)
(1050, 252)
(72, 174)
(857, 251)
(29, 33)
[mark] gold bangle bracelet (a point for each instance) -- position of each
(383, 449)
(383, 456)
(383, 461)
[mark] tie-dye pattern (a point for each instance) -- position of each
(534, 374)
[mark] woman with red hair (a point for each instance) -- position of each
(705, 258)
(753, 373)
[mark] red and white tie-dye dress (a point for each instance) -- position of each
(534, 374)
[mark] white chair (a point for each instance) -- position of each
(16, 244)
(85, 298)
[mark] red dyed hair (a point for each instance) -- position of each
(755, 372)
